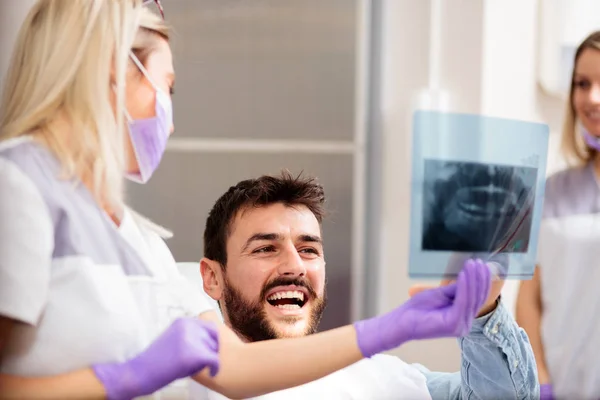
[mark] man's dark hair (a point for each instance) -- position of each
(266, 190)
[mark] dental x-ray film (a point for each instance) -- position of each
(477, 192)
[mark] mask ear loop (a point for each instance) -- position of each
(143, 70)
(127, 115)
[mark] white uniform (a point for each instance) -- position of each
(569, 259)
(382, 377)
(87, 291)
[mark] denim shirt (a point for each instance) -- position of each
(497, 362)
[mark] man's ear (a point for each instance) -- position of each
(212, 277)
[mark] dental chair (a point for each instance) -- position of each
(191, 270)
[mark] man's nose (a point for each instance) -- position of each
(291, 263)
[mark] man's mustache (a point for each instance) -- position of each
(288, 281)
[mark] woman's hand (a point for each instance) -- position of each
(490, 303)
(187, 347)
(445, 311)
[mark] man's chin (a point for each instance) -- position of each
(289, 323)
(290, 330)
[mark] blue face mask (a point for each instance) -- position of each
(149, 136)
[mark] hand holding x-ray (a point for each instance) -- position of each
(497, 265)
(446, 311)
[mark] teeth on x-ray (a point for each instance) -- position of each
(477, 207)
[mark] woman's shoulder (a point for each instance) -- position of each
(570, 191)
(572, 175)
(21, 175)
(149, 228)
(147, 237)
(32, 162)
(25, 151)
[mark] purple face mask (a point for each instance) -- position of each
(591, 140)
(149, 136)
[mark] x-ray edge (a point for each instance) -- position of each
(477, 189)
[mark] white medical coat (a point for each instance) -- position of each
(86, 291)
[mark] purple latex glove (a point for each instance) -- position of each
(546, 392)
(188, 346)
(446, 311)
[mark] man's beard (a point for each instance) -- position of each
(249, 319)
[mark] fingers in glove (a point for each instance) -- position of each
(214, 333)
(213, 364)
(462, 300)
(201, 355)
(211, 343)
(213, 336)
(208, 359)
(207, 332)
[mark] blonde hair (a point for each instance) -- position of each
(65, 57)
(573, 147)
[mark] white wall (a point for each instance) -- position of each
(488, 65)
(12, 13)
(509, 83)
(404, 73)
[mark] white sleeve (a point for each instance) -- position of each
(26, 246)
(184, 282)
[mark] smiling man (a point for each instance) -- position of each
(265, 265)
(273, 285)
(287, 303)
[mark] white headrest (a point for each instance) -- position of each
(191, 271)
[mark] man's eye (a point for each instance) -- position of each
(310, 250)
(265, 249)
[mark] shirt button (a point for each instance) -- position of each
(494, 330)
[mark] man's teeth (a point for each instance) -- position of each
(288, 306)
(287, 295)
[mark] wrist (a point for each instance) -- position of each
(374, 335)
(489, 324)
(489, 308)
(364, 339)
(543, 376)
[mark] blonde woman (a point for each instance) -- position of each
(559, 307)
(91, 302)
